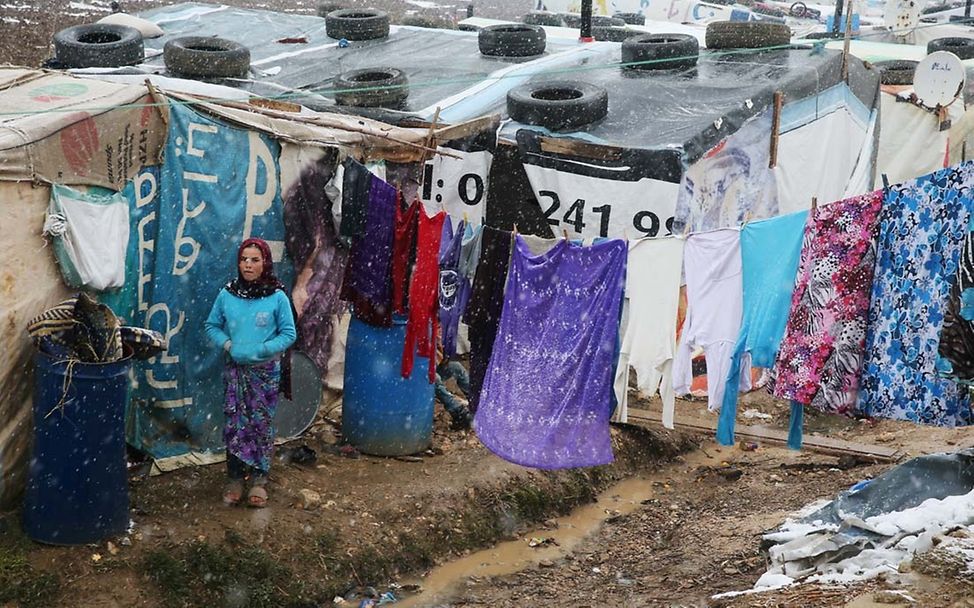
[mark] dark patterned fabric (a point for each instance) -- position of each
(956, 351)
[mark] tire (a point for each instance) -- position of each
(683, 49)
(427, 22)
(542, 18)
(557, 105)
(631, 18)
(575, 21)
(391, 97)
(206, 57)
(512, 40)
(357, 24)
(896, 71)
(613, 34)
(747, 34)
(962, 47)
(98, 45)
(323, 7)
(798, 9)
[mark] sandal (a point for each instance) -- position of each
(257, 497)
(233, 493)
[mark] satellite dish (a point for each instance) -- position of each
(295, 415)
(902, 16)
(938, 79)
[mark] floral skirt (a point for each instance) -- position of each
(251, 402)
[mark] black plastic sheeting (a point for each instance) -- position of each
(438, 63)
(904, 487)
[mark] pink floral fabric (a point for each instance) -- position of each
(822, 351)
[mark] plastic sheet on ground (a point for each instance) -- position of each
(876, 524)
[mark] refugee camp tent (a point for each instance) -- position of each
(198, 177)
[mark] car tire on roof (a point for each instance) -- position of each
(557, 105)
(613, 34)
(384, 88)
(661, 51)
(206, 57)
(323, 7)
(512, 40)
(98, 45)
(357, 24)
(542, 18)
(896, 71)
(747, 35)
(962, 47)
(631, 18)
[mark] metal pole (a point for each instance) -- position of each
(837, 17)
(470, 10)
(967, 9)
(585, 33)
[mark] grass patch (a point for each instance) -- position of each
(201, 574)
(20, 583)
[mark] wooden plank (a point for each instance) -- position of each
(776, 128)
(577, 147)
(825, 445)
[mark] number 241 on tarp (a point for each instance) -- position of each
(646, 223)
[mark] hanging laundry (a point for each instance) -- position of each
(770, 250)
(821, 353)
(356, 185)
(548, 393)
(403, 252)
(454, 288)
(368, 281)
(421, 326)
(712, 267)
(921, 232)
(470, 252)
(312, 243)
(956, 352)
(649, 339)
(483, 311)
(539, 245)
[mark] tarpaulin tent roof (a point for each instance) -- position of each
(438, 63)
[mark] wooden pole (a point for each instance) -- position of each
(845, 44)
(775, 127)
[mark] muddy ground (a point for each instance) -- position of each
(27, 26)
(675, 536)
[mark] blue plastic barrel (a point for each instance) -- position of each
(77, 483)
(382, 412)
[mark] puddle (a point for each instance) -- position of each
(513, 556)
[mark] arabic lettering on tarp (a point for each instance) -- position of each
(219, 185)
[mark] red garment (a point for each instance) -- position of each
(402, 249)
(421, 327)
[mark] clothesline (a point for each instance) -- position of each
(826, 299)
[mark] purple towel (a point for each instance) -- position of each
(368, 279)
(547, 397)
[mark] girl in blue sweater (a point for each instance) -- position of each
(252, 321)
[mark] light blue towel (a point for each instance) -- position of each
(770, 250)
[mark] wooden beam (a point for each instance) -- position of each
(824, 445)
(576, 147)
(776, 127)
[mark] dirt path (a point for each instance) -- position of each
(698, 533)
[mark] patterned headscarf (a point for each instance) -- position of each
(265, 284)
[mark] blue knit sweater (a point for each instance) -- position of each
(258, 330)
